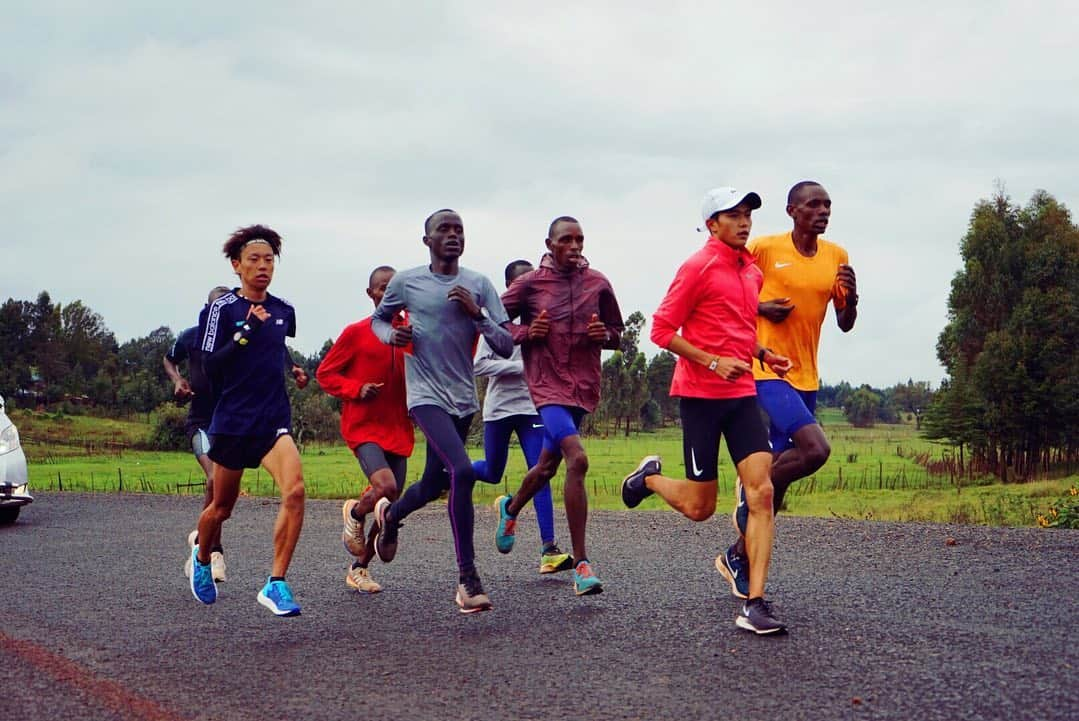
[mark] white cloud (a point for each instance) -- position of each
(134, 139)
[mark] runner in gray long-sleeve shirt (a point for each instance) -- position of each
(449, 307)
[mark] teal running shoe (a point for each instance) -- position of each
(585, 583)
(507, 525)
(202, 579)
(277, 596)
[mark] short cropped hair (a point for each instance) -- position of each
(560, 219)
(236, 242)
(379, 269)
(217, 292)
(427, 223)
(792, 194)
(512, 268)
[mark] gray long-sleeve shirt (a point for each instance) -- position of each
(439, 370)
(507, 391)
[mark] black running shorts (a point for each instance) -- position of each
(704, 420)
(239, 452)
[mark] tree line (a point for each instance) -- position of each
(65, 358)
(1011, 345)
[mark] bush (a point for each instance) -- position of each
(167, 433)
(1064, 513)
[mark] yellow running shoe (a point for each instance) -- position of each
(553, 560)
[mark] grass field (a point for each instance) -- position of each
(872, 473)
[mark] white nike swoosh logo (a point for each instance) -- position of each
(693, 460)
(537, 425)
(734, 572)
(783, 265)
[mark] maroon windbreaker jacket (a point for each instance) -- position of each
(563, 368)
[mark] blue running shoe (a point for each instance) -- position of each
(735, 568)
(585, 583)
(202, 579)
(740, 515)
(277, 596)
(507, 525)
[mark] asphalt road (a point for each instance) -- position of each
(888, 621)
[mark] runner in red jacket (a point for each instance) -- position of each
(709, 319)
(369, 378)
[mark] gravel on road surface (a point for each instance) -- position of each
(887, 621)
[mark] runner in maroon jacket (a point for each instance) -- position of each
(568, 315)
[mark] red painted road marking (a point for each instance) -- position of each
(110, 694)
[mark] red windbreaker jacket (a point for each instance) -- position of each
(713, 302)
(358, 357)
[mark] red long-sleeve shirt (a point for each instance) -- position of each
(713, 300)
(358, 357)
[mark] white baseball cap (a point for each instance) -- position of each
(717, 200)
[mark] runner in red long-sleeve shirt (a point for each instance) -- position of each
(369, 378)
(709, 319)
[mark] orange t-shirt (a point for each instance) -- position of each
(810, 283)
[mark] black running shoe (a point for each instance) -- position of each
(386, 540)
(756, 616)
(633, 489)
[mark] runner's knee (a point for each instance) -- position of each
(701, 509)
(759, 495)
(816, 455)
(294, 496)
(577, 463)
(463, 474)
(548, 467)
(384, 486)
(220, 511)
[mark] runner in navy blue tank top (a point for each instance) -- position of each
(243, 344)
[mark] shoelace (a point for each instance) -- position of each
(473, 586)
(584, 570)
(511, 526)
(765, 608)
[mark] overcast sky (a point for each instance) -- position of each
(134, 138)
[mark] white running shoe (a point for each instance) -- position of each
(217, 565)
(352, 534)
(360, 579)
(190, 544)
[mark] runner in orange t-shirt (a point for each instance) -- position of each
(803, 274)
